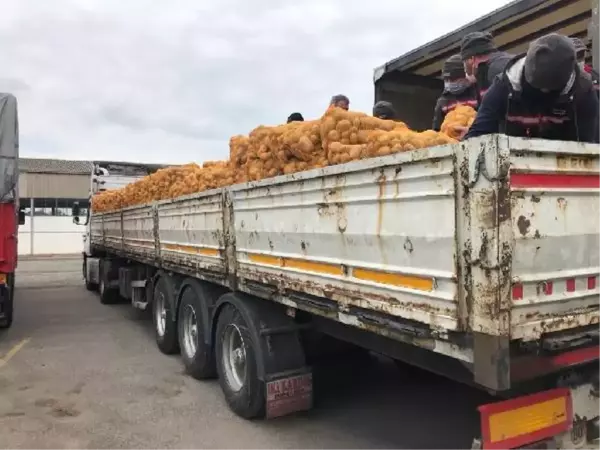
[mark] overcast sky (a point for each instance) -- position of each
(159, 81)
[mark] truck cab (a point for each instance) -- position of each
(106, 176)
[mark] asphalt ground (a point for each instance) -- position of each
(78, 374)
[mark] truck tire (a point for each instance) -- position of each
(90, 286)
(108, 296)
(165, 327)
(8, 304)
(197, 355)
(237, 365)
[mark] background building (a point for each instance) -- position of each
(47, 190)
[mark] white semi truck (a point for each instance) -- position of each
(478, 261)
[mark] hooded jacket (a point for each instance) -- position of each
(513, 107)
(489, 69)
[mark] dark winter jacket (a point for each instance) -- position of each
(488, 70)
(448, 101)
(513, 107)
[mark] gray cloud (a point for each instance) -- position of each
(150, 81)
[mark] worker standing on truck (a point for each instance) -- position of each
(542, 94)
(340, 101)
(458, 90)
(384, 110)
(482, 60)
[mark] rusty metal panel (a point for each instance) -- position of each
(376, 234)
(485, 261)
(556, 228)
(113, 236)
(96, 230)
(138, 231)
(190, 232)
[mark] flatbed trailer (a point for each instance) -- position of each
(478, 261)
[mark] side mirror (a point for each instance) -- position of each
(76, 210)
(21, 217)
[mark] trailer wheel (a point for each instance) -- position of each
(8, 304)
(165, 328)
(237, 365)
(197, 355)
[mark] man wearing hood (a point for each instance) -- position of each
(482, 60)
(458, 90)
(541, 95)
(384, 110)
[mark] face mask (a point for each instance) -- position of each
(457, 86)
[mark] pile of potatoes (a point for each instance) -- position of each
(459, 118)
(338, 137)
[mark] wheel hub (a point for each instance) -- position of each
(234, 357)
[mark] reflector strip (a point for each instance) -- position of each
(591, 282)
(525, 420)
(517, 291)
(422, 284)
(205, 251)
(553, 180)
(571, 285)
(375, 276)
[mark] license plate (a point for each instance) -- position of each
(2, 278)
(288, 395)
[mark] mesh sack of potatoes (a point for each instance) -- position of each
(346, 134)
(462, 116)
(299, 147)
(383, 143)
(238, 156)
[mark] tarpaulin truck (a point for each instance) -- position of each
(478, 261)
(10, 215)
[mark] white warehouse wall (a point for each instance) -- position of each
(51, 235)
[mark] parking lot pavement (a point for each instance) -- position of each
(77, 374)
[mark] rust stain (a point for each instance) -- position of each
(535, 199)
(562, 203)
(485, 205)
(381, 181)
(523, 224)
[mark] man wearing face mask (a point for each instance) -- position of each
(541, 95)
(458, 90)
(482, 60)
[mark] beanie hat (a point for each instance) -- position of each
(295, 117)
(453, 68)
(476, 44)
(550, 62)
(384, 110)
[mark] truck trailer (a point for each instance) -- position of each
(478, 261)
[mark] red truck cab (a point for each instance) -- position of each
(10, 216)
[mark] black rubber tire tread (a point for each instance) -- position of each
(202, 366)
(108, 296)
(88, 284)
(249, 401)
(168, 342)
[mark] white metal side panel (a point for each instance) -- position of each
(191, 232)
(376, 234)
(556, 225)
(97, 229)
(113, 237)
(138, 231)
